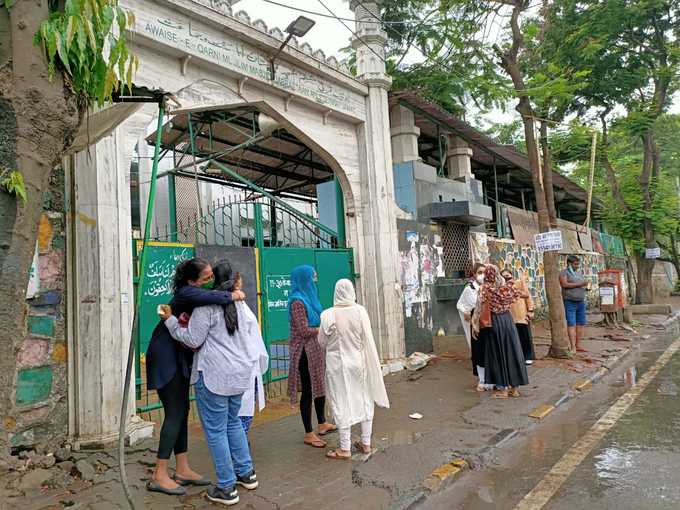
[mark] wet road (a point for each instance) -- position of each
(636, 465)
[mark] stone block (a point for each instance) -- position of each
(41, 325)
(45, 232)
(33, 385)
(49, 298)
(59, 352)
(24, 438)
(51, 270)
(541, 411)
(35, 415)
(34, 352)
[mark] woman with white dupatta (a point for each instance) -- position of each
(354, 382)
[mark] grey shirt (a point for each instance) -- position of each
(577, 293)
(222, 358)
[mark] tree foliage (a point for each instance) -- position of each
(86, 41)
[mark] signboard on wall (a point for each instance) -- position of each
(653, 253)
(549, 241)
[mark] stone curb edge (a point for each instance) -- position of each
(544, 410)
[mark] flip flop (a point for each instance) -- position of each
(196, 483)
(334, 429)
(500, 396)
(333, 454)
(359, 447)
(152, 486)
(316, 444)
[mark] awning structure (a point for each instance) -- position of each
(278, 162)
(492, 163)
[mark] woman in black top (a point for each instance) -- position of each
(168, 369)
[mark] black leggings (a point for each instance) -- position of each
(174, 432)
(306, 397)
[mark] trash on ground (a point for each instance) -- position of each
(416, 416)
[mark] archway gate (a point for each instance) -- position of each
(259, 232)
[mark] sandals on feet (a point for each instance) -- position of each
(333, 429)
(152, 486)
(333, 454)
(316, 443)
(185, 482)
(500, 394)
(514, 393)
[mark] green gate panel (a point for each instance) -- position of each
(161, 261)
(276, 266)
(331, 266)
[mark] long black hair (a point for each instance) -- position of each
(188, 270)
(225, 280)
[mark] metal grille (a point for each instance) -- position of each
(456, 249)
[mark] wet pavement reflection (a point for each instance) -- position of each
(636, 466)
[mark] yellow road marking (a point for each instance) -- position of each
(551, 483)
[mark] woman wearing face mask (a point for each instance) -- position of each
(168, 368)
(222, 372)
(504, 360)
(466, 307)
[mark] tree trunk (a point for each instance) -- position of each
(676, 260)
(559, 344)
(644, 292)
(39, 119)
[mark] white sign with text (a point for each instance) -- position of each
(549, 241)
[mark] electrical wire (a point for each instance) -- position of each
(320, 14)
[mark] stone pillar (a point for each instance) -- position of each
(380, 267)
(458, 158)
(101, 304)
(404, 134)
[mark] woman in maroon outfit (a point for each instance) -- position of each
(307, 372)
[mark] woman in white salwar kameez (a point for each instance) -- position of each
(354, 381)
(256, 352)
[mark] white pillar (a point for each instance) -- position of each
(458, 157)
(380, 270)
(404, 133)
(101, 303)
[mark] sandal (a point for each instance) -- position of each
(316, 443)
(481, 388)
(333, 454)
(361, 448)
(152, 486)
(332, 429)
(500, 394)
(514, 393)
(185, 482)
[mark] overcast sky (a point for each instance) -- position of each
(329, 34)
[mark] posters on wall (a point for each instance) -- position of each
(420, 251)
(34, 276)
(479, 247)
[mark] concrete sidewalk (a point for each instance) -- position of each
(458, 423)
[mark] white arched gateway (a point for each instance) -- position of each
(209, 56)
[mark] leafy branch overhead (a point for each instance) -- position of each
(86, 42)
(13, 183)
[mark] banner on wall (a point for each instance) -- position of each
(549, 241)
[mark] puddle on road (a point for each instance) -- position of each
(399, 438)
(628, 379)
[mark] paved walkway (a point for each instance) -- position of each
(457, 423)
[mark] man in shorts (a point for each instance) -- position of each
(574, 289)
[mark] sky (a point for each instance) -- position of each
(331, 36)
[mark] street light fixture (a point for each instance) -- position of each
(297, 28)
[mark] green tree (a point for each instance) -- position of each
(487, 52)
(57, 58)
(631, 52)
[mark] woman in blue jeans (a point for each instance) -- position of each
(221, 373)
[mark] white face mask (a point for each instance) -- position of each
(480, 278)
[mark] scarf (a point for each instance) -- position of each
(495, 292)
(303, 289)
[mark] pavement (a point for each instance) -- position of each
(462, 434)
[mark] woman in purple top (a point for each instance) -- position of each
(307, 372)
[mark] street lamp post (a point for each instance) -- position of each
(297, 28)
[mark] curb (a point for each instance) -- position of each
(444, 475)
(583, 385)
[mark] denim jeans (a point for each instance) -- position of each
(224, 434)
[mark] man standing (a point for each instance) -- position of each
(574, 287)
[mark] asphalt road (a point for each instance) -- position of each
(634, 463)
